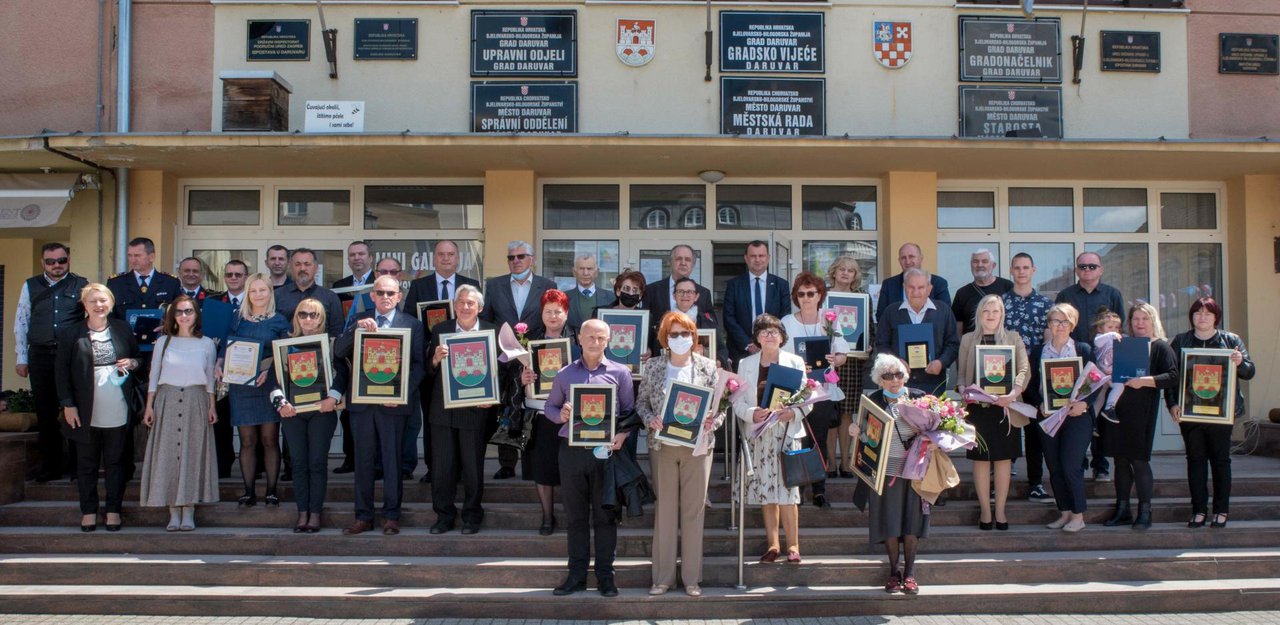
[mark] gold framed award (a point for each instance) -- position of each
(1207, 386)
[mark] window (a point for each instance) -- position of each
(1188, 211)
(331, 265)
(966, 209)
(695, 218)
(417, 259)
(215, 261)
(727, 216)
(314, 207)
(423, 207)
(1041, 210)
(656, 219)
(755, 207)
(1188, 271)
(558, 257)
(838, 207)
(953, 262)
(818, 256)
(580, 206)
(224, 207)
(683, 206)
(1055, 265)
(1115, 210)
(1126, 267)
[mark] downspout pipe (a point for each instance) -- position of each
(123, 80)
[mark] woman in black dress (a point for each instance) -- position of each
(1129, 441)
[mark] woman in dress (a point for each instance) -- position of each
(1002, 441)
(251, 410)
(93, 363)
(307, 434)
(180, 469)
(897, 517)
(765, 487)
(1064, 452)
(808, 321)
(679, 476)
(846, 277)
(1129, 440)
(1209, 444)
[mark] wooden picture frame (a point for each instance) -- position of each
(380, 366)
(544, 355)
(995, 367)
(1052, 391)
(470, 371)
(304, 370)
(853, 314)
(433, 312)
(684, 411)
(1207, 386)
(628, 336)
(594, 419)
(871, 449)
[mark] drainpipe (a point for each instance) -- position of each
(124, 46)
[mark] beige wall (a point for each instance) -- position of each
(908, 215)
(1253, 209)
(1230, 105)
(509, 208)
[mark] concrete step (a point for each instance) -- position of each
(1126, 596)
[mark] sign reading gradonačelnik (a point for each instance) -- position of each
(997, 49)
(524, 43)
(760, 41)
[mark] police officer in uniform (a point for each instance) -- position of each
(191, 277)
(49, 302)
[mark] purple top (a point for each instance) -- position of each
(608, 372)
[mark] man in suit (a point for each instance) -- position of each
(585, 296)
(191, 277)
(893, 290)
(234, 275)
(514, 298)
(919, 307)
(459, 435)
(440, 284)
(380, 428)
(660, 296)
(750, 295)
(358, 260)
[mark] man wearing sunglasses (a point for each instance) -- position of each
(48, 301)
(234, 275)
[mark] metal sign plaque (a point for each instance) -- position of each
(759, 41)
(278, 40)
(772, 106)
(996, 49)
(524, 107)
(1124, 51)
(389, 39)
(1010, 113)
(1248, 54)
(524, 43)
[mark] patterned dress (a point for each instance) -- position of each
(765, 486)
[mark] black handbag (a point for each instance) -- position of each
(515, 427)
(802, 467)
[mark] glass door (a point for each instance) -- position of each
(653, 259)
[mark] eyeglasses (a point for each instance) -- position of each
(302, 314)
(1088, 267)
(381, 293)
(806, 294)
(1059, 322)
(515, 257)
(49, 262)
(182, 312)
(770, 332)
(679, 335)
(234, 274)
(388, 272)
(686, 292)
(892, 375)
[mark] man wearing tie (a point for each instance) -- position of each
(234, 275)
(584, 297)
(750, 295)
(660, 296)
(380, 428)
(440, 284)
(191, 277)
(358, 260)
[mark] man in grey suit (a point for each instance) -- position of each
(585, 296)
(514, 298)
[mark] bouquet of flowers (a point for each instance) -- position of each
(1090, 380)
(942, 422)
(809, 393)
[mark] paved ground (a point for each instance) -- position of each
(1221, 618)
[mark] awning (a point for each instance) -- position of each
(34, 200)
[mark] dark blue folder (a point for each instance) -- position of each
(916, 334)
(1131, 358)
(215, 318)
(781, 377)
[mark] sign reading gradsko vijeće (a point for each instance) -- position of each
(760, 41)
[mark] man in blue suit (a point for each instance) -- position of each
(586, 296)
(750, 295)
(892, 291)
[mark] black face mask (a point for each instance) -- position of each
(630, 300)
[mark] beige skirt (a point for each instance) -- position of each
(180, 467)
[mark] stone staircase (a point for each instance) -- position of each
(248, 561)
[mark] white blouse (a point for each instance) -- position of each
(188, 361)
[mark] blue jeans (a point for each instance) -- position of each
(308, 435)
(1064, 455)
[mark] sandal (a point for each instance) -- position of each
(1219, 520)
(769, 556)
(895, 580)
(247, 500)
(793, 557)
(1197, 520)
(909, 586)
(271, 499)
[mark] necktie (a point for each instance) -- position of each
(191, 294)
(382, 321)
(235, 303)
(444, 290)
(142, 282)
(759, 297)
(587, 293)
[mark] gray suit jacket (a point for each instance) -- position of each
(500, 307)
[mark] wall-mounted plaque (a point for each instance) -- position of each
(997, 49)
(386, 39)
(524, 43)
(1248, 54)
(1001, 112)
(524, 107)
(1125, 51)
(773, 106)
(279, 40)
(759, 41)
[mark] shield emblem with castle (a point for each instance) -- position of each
(847, 318)
(549, 362)
(1206, 380)
(468, 363)
(891, 43)
(636, 44)
(1062, 380)
(686, 408)
(993, 367)
(303, 369)
(592, 407)
(381, 360)
(622, 339)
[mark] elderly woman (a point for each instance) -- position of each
(897, 517)
(687, 302)
(180, 468)
(679, 476)
(1064, 452)
(845, 276)
(628, 287)
(307, 434)
(765, 486)
(807, 293)
(93, 363)
(1209, 443)
(1138, 409)
(1002, 441)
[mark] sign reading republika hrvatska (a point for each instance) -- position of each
(1006, 113)
(524, 107)
(998, 49)
(772, 106)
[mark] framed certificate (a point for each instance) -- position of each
(240, 360)
(853, 316)
(547, 356)
(1207, 390)
(707, 342)
(783, 382)
(145, 323)
(628, 336)
(1057, 379)
(304, 370)
(433, 312)
(381, 363)
(871, 449)
(470, 371)
(915, 344)
(816, 351)
(595, 414)
(684, 411)
(995, 367)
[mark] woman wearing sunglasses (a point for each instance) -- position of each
(180, 467)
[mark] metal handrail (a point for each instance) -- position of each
(745, 470)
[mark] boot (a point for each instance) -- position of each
(1123, 515)
(1143, 522)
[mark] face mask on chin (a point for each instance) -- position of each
(891, 395)
(522, 276)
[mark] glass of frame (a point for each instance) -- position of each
(471, 369)
(547, 356)
(434, 312)
(594, 417)
(995, 367)
(854, 316)
(915, 344)
(707, 343)
(1207, 391)
(684, 410)
(381, 367)
(240, 360)
(304, 369)
(1057, 380)
(871, 449)
(628, 335)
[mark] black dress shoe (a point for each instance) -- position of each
(441, 527)
(548, 526)
(469, 529)
(426, 478)
(570, 586)
(985, 525)
(345, 467)
(504, 473)
(820, 501)
(608, 588)
(845, 473)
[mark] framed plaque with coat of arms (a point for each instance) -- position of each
(707, 343)
(594, 414)
(684, 411)
(1057, 380)
(853, 320)
(470, 371)
(547, 357)
(381, 364)
(995, 368)
(870, 460)
(628, 336)
(434, 312)
(304, 369)
(1207, 391)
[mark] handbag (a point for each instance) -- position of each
(802, 467)
(515, 427)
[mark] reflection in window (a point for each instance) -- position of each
(1055, 265)
(315, 207)
(755, 207)
(1188, 211)
(695, 218)
(423, 207)
(966, 209)
(417, 258)
(727, 216)
(1188, 271)
(215, 262)
(683, 204)
(1125, 267)
(332, 265)
(838, 207)
(656, 219)
(558, 257)
(580, 206)
(818, 256)
(1115, 210)
(1041, 210)
(953, 262)
(224, 207)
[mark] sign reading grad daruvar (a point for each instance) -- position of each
(524, 107)
(1006, 113)
(279, 40)
(996, 49)
(773, 106)
(758, 41)
(524, 43)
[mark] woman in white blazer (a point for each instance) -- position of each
(765, 488)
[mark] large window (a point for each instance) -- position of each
(580, 206)
(753, 207)
(663, 207)
(558, 257)
(966, 209)
(838, 207)
(224, 207)
(423, 207)
(314, 207)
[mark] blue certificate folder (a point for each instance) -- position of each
(215, 318)
(782, 382)
(915, 334)
(1131, 359)
(146, 325)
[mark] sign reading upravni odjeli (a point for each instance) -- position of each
(772, 106)
(524, 107)
(994, 49)
(524, 43)
(757, 41)
(1003, 112)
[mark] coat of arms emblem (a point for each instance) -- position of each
(468, 363)
(1206, 380)
(635, 42)
(891, 43)
(549, 362)
(592, 409)
(993, 366)
(686, 408)
(303, 369)
(622, 339)
(847, 318)
(1062, 380)
(381, 360)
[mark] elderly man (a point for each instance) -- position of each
(660, 296)
(919, 308)
(581, 471)
(1026, 312)
(982, 264)
(750, 295)
(585, 297)
(893, 291)
(303, 286)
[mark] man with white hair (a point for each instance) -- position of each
(893, 290)
(585, 297)
(928, 363)
(985, 282)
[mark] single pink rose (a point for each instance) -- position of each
(1095, 377)
(522, 327)
(832, 377)
(811, 383)
(732, 386)
(830, 315)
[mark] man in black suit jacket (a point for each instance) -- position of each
(586, 296)
(892, 290)
(191, 279)
(742, 297)
(459, 435)
(380, 428)
(659, 297)
(920, 308)
(234, 275)
(358, 261)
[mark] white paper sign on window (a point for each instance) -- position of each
(334, 116)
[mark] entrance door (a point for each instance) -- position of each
(653, 259)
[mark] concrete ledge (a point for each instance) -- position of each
(16, 450)
(1268, 439)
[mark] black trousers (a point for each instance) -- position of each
(1208, 447)
(377, 432)
(581, 487)
(308, 435)
(348, 439)
(106, 447)
(55, 460)
(1034, 453)
(224, 438)
(820, 420)
(424, 400)
(457, 452)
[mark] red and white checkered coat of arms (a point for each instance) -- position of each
(891, 43)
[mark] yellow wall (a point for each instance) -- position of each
(1253, 214)
(910, 215)
(153, 213)
(16, 256)
(510, 198)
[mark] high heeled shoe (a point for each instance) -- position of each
(548, 526)
(247, 500)
(313, 525)
(1219, 520)
(113, 527)
(301, 526)
(92, 526)
(271, 499)
(1197, 520)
